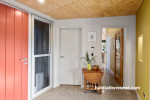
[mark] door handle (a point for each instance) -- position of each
(24, 59)
(25, 63)
(61, 56)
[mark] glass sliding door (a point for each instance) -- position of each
(41, 55)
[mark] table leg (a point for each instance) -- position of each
(99, 84)
(84, 86)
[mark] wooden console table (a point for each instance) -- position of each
(91, 79)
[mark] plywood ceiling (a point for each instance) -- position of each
(70, 9)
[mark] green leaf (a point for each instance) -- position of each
(92, 59)
(83, 58)
(87, 58)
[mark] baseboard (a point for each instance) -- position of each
(138, 95)
(56, 85)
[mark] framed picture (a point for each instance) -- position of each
(91, 36)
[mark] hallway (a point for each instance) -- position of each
(67, 92)
(43, 43)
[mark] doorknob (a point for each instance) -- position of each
(61, 56)
(24, 59)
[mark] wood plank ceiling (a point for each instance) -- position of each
(71, 9)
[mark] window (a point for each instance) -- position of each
(41, 37)
(41, 54)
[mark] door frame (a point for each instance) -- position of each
(110, 52)
(59, 65)
(119, 80)
(125, 34)
(34, 95)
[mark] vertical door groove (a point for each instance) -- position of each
(10, 54)
(25, 55)
(2, 50)
(18, 53)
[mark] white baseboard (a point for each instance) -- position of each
(56, 85)
(138, 95)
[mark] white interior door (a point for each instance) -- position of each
(70, 70)
(108, 48)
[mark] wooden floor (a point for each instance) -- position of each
(67, 92)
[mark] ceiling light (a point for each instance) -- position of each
(41, 1)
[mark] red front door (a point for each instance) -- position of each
(13, 54)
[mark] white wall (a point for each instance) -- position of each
(96, 25)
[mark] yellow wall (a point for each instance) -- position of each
(142, 67)
(111, 32)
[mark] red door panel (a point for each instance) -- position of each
(2, 50)
(18, 53)
(10, 62)
(14, 47)
(25, 55)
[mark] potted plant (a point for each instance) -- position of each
(88, 61)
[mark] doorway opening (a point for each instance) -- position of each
(112, 52)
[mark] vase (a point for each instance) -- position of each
(89, 67)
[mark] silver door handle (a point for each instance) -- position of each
(25, 63)
(61, 56)
(24, 59)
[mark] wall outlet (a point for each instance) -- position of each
(144, 95)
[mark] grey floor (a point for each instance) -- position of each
(66, 92)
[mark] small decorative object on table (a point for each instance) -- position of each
(96, 67)
(88, 61)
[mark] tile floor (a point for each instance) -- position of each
(68, 92)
